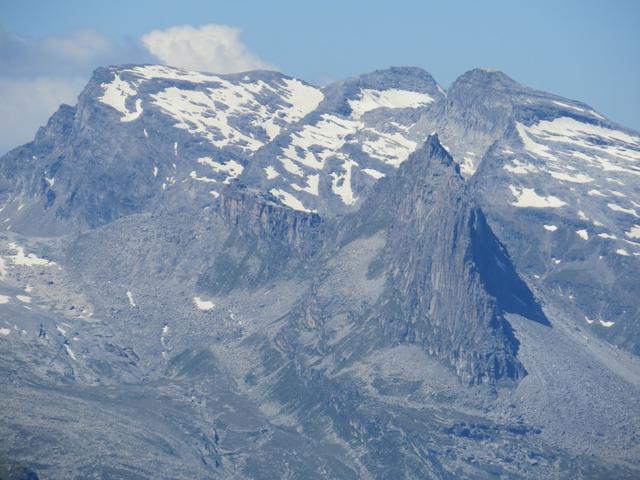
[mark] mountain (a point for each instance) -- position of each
(246, 276)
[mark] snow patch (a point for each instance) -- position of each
(634, 232)
(596, 193)
(130, 298)
(165, 332)
(520, 168)
(618, 208)
(569, 130)
(373, 173)
(392, 98)
(341, 183)
(288, 199)
(195, 176)
(577, 178)
(212, 112)
(327, 136)
(607, 236)
(116, 93)
(303, 98)
(572, 107)
(390, 148)
(150, 72)
(28, 260)
(583, 234)
(70, 352)
(527, 197)
(203, 305)
(231, 168)
(550, 228)
(531, 146)
(271, 172)
(467, 167)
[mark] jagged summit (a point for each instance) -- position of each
(433, 149)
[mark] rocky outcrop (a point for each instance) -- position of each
(258, 216)
(265, 241)
(449, 279)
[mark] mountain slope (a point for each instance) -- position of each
(245, 276)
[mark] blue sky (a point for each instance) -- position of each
(586, 50)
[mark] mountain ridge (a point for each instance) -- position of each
(260, 278)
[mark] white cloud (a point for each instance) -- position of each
(209, 48)
(28, 103)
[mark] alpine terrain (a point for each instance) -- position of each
(248, 277)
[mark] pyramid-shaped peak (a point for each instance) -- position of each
(486, 78)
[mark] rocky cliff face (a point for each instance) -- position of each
(264, 242)
(475, 114)
(272, 226)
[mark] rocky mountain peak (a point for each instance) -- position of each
(450, 281)
(485, 79)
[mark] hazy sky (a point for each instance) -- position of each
(586, 50)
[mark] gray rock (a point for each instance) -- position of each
(168, 311)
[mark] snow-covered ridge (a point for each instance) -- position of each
(578, 109)
(305, 159)
(245, 113)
